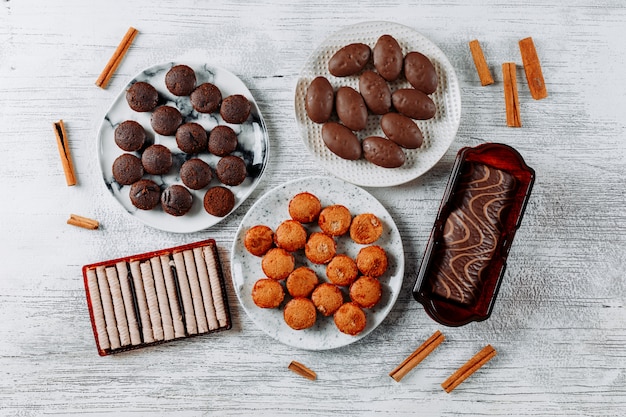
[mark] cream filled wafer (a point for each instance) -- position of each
(205, 286)
(185, 292)
(118, 305)
(151, 298)
(129, 304)
(196, 291)
(107, 307)
(142, 304)
(216, 287)
(172, 296)
(96, 309)
(161, 292)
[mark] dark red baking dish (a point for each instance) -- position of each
(481, 209)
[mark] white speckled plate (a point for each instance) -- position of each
(252, 136)
(270, 210)
(438, 132)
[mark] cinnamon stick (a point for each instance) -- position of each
(481, 64)
(417, 356)
(84, 222)
(471, 366)
(116, 59)
(64, 152)
(511, 98)
(532, 68)
(302, 370)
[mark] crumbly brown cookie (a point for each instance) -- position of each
(372, 261)
(320, 248)
(301, 282)
(267, 293)
(258, 240)
(366, 228)
(342, 270)
(300, 313)
(350, 319)
(327, 298)
(366, 291)
(305, 207)
(335, 220)
(278, 263)
(219, 201)
(290, 235)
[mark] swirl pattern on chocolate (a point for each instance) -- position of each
(472, 232)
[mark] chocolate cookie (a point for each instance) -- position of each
(196, 174)
(206, 98)
(191, 138)
(127, 169)
(222, 140)
(165, 120)
(219, 201)
(130, 136)
(231, 170)
(235, 109)
(145, 194)
(180, 80)
(157, 159)
(176, 200)
(142, 97)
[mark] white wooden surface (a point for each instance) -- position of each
(559, 324)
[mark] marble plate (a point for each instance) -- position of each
(252, 135)
(438, 132)
(271, 210)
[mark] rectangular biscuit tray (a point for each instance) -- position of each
(465, 258)
(155, 297)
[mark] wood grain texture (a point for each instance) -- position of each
(559, 324)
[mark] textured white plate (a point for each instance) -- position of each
(252, 135)
(270, 210)
(438, 132)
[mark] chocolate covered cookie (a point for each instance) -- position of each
(127, 169)
(196, 174)
(235, 109)
(129, 136)
(165, 120)
(145, 194)
(191, 138)
(219, 201)
(142, 97)
(157, 159)
(206, 98)
(222, 140)
(176, 200)
(231, 170)
(180, 80)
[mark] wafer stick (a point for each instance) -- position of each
(64, 152)
(161, 292)
(532, 68)
(216, 287)
(116, 59)
(417, 356)
(96, 308)
(471, 366)
(118, 305)
(511, 99)
(196, 291)
(481, 64)
(185, 291)
(172, 296)
(107, 307)
(142, 304)
(205, 286)
(129, 304)
(151, 299)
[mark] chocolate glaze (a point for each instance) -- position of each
(471, 232)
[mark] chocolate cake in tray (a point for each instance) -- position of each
(155, 297)
(466, 255)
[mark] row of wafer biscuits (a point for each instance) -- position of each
(156, 297)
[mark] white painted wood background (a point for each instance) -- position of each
(559, 324)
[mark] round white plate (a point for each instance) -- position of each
(439, 132)
(272, 209)
(252, 135)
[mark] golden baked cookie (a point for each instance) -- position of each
(372, 261)
(301, 282)
(278, 263)
(366, 291)
(366, 228)
(305, 207)
(335, 220)
(327, 298)
(258, 240)
(350, 319)
(320, 248)
(300, 313)
(267, 293)
(342, 270)
(290, 235)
